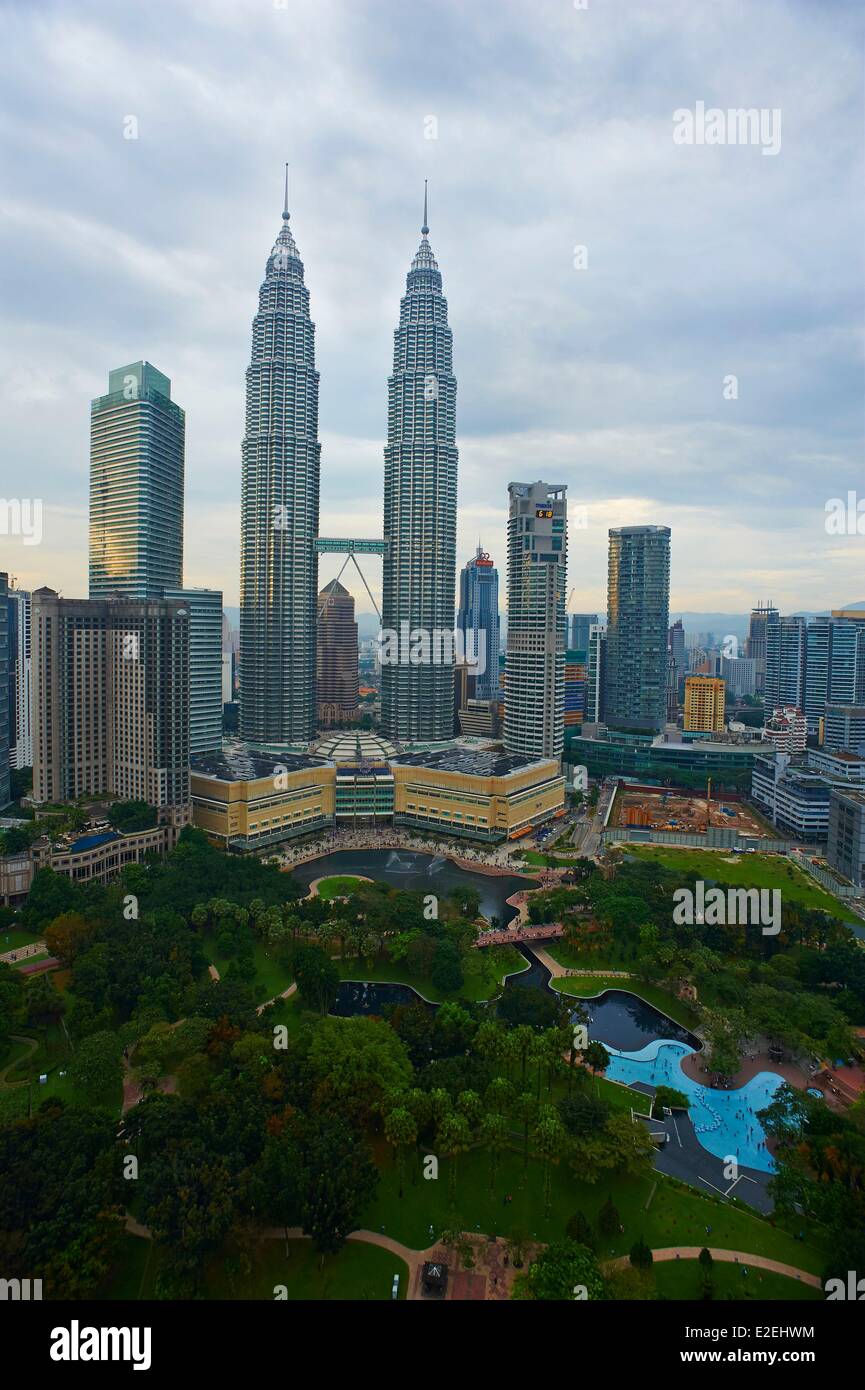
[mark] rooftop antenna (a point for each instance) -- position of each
(285, 213)
(424, 231)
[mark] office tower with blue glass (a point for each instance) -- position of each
(478, 621)
(420, 510)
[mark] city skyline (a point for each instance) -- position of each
(622, 400)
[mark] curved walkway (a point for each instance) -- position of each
(692, 1252)
(32, 1045)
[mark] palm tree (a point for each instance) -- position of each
(549, 1138)
(524, 1109)
(400, 1130)
(494, 1133)
(452, 1137)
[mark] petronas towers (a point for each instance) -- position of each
(420, 507)
(280, 509)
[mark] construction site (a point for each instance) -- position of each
(691, 813)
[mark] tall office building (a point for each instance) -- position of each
(279, 508)
(111, 700)
(420, 503)
(20, 694)
(535, 660)
(337, 680)
(704, 704)
(596, 674)
(784, 680)
(478, 621)
(5, 796)
(580, 624)
(205, 666)
(676, 648)
(739, 675)
(755, 642)
(136, 485)
(638, 589)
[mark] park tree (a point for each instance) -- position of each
(400, 1130)
(317, 978)
(559, 1272)
(641, 1255)
(549, 1138)
(609, 1221)
(339, 1181)
(453, 1138)
(579, 1228)
(355, 1063)
(95, 1068)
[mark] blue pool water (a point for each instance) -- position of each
(725, 1122)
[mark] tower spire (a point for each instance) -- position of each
(285, 213)
(424, 229)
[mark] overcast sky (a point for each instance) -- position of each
(553, 130)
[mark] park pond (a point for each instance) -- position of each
(419, 873)
(644, 1044)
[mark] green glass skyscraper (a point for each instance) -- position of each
(136, 485)
(279, 509)
(420, 506)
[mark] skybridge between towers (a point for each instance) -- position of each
(350, 547)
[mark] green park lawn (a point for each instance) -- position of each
(339, 886)
(664, 1212)
(14, 937)
(683, 1280)
(360, 1272)
(490, 965)
(271, 976)
(747, 871)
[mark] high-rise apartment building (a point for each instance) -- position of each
(784, 681)
(4, 692)
(739, 674)
(20, 692)
(638, 599)
(596, 674)
(111, 700)
(205, 666)
(704, 704)
(755, 642)
(535, 659)
(478, 621)
(279, 508)
(337, 680)
(136, 485)
(420, 504)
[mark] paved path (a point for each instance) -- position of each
(692, 1252)
(32, 1045)
(35, 948)
(556, 969)
(286, 994)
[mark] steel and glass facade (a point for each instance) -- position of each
(279, 509)
(136, 485)
(420, 502)
(478, 621)
(638, 602)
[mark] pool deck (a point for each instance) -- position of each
(684, 1157)
(751, 1067)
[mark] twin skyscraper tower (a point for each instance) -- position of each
(280, 539)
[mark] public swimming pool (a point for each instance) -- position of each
(725, 1122)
